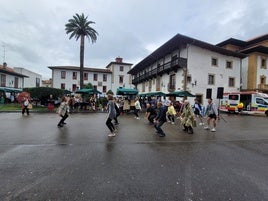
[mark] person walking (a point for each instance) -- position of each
(150, 113)
(171, 113)
(137, 108)
(212, 115)
(116, 105)
(111, 115)
(198, 111)
(188, 118)
(63, 111)
(160, 119)
(25, 105)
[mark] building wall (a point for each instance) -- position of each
(252, 71)
(10, 81)
(261, 71)
(244, 73)
(115, 68)
(33, 79)
(69, 81)
(198, 68)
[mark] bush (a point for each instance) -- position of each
(43, 93)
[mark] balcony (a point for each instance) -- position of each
(173, 65)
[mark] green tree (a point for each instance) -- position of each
(79, 27)
(88, 86)
(110, 92)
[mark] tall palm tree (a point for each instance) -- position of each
(79, 27)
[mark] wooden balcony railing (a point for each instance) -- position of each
(173, 65)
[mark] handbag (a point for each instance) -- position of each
(30, 106)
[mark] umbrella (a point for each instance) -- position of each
(23, 94)
(126, 91)
(88, 91)
(10, 89)
(181, 94)
(157, 93)
(66, 92)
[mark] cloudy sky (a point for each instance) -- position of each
(33, 34)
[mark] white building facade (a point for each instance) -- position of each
(110, 78)
(120, 76)
(184, 63)
(68, 77)
(10, 78)
(32, 80)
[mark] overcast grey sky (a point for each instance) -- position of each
(33, 31)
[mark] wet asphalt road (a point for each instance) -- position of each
(39, 161)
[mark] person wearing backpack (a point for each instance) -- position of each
(212, 115)
(198, 111)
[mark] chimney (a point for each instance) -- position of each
(4, 65)
(119, 59)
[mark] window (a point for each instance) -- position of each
(3, 80)
(63, 74)
(263, 63)
(157, 85)
(211, 79)
(37, 82)
(121, 68)
(16, 85)
(62, 85)
(172, 81)
(189, 78)
(231, 82)
(74, 87)
(233, 97)
(150, 85)
(263, 79)
(143, 87)
(95, 77)
(261, 101)
(85, 76)
(104, 89)
(95, 87)
(121, 79)
(214, 62)
(229, 64)
(104, 77)
(74, 75)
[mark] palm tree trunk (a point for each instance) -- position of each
(82, 49)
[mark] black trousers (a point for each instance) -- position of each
(25, 108)
(151, 118)
(136, 112)
(110, 125)
(63, 118)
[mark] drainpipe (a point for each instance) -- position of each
(240, 82)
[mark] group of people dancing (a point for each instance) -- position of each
(187, 114)
(157, 115)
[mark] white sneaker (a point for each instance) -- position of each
(206, 127)
(213, 130)
(172, 123)
(138, 118)
(111, 135)
(200, 124)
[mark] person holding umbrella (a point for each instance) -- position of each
(25, 105)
